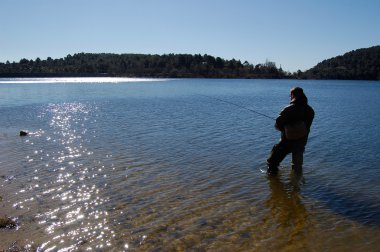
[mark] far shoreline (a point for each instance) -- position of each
(121, 79)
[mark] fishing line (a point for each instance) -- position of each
(239, 106)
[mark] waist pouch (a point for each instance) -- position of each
(295, 131)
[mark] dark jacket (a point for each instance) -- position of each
(298, 110)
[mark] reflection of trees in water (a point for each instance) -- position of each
(287, 218)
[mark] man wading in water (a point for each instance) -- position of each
(294, 123)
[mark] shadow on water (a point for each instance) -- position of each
(362, 210)
(287, 210)
(286, 199)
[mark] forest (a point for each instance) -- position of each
(141, 65)
(360, 64)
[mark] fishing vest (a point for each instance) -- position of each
(295, 130)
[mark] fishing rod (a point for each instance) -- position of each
(239, 106)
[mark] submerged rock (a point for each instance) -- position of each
(23, 133)
(8, 223)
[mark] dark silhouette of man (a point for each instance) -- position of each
(294, 122)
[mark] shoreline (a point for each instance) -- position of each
(116, 79)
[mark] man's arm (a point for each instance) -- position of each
(281, 120)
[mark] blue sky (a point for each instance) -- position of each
(296, 34)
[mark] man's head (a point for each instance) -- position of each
(297, 94)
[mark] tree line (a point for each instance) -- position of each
(360, 64)
(141, 65)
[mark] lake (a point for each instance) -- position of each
(167, 165)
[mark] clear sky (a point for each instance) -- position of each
(296, 34)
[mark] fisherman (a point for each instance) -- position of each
(294, 122)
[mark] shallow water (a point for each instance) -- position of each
(157, 165)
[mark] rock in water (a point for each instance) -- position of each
(23, 133)
(8, 223)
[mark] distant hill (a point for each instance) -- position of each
(360, 64)
(140, 65)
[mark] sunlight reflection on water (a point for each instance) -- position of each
(76, 80)
(74, 214)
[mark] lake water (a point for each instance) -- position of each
(165, 165)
